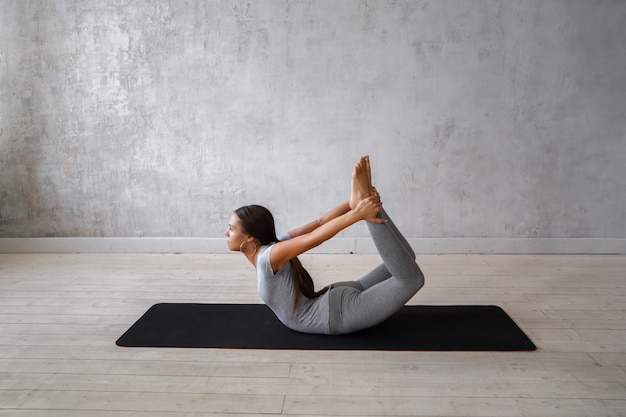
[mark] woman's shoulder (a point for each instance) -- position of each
(264, 264)
(263, 258)
(264, 252)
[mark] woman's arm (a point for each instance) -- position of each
(309, 227)
(282, 252)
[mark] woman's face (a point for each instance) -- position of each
(234, 234)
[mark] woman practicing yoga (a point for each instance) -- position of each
(343, 307)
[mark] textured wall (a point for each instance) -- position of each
(157, 118)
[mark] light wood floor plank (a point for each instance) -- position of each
(144, 401)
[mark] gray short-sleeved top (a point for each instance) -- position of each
(278, 292)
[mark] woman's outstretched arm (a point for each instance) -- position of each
(309, 227)
(282, 252)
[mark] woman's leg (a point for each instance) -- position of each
(381, 273)
(386, 288)
(361, 187)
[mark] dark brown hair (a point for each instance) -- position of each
(259, 222)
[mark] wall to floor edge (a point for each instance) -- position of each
(335, 246)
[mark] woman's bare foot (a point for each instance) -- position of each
(361, 186)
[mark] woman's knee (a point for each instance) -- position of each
(416, 280)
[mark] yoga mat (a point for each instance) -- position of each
(254, 326)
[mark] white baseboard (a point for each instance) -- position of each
(337, 245)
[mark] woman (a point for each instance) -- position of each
(343, 307)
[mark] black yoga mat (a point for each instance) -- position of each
(254, 326)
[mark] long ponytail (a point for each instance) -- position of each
(304, 282)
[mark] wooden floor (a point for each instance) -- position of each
(60, 315)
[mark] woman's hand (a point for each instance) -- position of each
(368, 208)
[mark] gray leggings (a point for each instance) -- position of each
(357, 305)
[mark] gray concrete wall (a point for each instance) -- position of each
(484, 119)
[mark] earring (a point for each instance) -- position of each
(241, 248)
